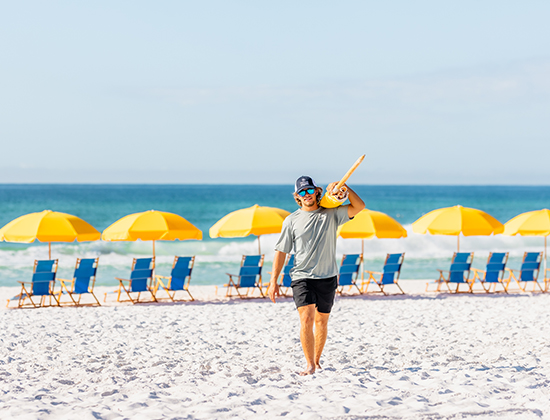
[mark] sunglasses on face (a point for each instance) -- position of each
(310, 191)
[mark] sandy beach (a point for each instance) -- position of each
(424, 356)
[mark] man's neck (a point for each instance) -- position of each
(312, 208)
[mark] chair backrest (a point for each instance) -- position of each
(496, 264)
(530, 266)
(43, 276)
(349, 269)
(181, 270)
(459, 271)
(251, 270)
(84, 274)
(392, 268)
(287, 280)
(142, 274)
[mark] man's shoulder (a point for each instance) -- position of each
(334, 209)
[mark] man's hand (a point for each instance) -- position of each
(273, 291)
(330, 187)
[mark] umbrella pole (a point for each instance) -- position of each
(153, 249)
(362, 261)
(259, 249)
(458, 243)
(49, 250)
(545, 256)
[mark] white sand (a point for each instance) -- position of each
(418, 357)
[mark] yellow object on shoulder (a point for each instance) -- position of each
(330, 201)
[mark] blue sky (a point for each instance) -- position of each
(262, 92)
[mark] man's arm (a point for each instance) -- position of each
(278, 263)
(355, 203)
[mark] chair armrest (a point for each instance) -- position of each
(477, 270)
(119, 279)
(373, 272)
(65, 280)
(232, 275)
(162, 277)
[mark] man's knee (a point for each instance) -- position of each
(307, 315)
(321, 319)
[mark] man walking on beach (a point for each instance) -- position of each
(311, 232)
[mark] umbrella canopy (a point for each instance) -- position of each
(256, 220)
(531, 223)
(153, 226)
(48, 226)
(458, 220)
(368, 224)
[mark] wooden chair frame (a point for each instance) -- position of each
(465, 275)
(69, 285)
(518, 280)
(481, 275)
(128, 288)
(236, 283)
(28, 295)
(378, 282)
(340, 288)
(167, 287)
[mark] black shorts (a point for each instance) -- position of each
(318, 292)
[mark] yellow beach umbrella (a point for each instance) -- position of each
(531, 223)
(153, 226)
(48, 226)
(369, 224)
(458, 220)
(256, 220)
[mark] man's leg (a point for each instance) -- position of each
(321, 328)
(307, 319)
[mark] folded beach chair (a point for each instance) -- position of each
(34, 293)
(389, 275)
(494, 272)
(140, 281)
(458, 273)
(348, 272)
(529, 272)
(249, 277)
(179, 278)
(83, 283)
(285, 276)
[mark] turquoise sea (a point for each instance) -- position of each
(203, 205)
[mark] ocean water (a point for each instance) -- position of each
(203, 205)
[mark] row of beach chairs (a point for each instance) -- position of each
(461, 277)
(41, 290)
(143, 282)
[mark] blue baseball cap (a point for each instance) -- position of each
(303, 183)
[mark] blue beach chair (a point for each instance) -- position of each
(249, 277)
(140, 281)
(389, 275)
(528, 272)
(285, 276)
(348, 272)
(41, 286)
(179, 278)
(458, 273)
(494, 272)
(82, 283)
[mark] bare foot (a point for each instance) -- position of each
(309, 371)
(318, 366)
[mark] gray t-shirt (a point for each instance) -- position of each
(312, 236)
